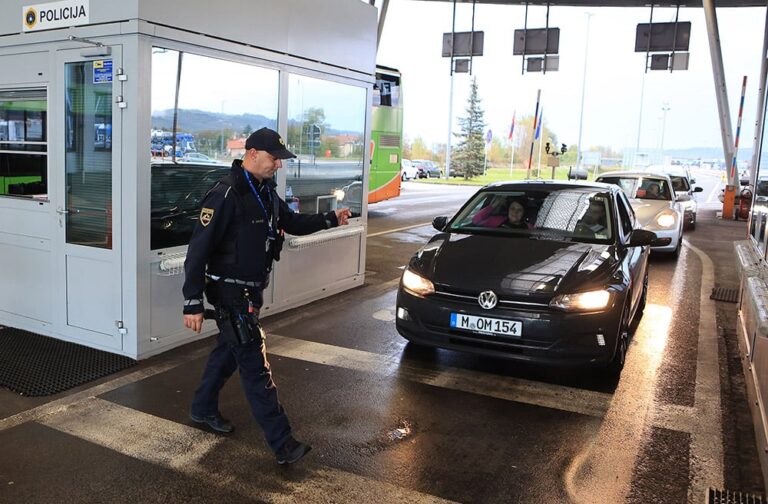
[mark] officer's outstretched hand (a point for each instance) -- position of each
(194, 322)
(343, 215)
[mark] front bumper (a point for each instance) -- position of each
(674, 234)
(548, 336)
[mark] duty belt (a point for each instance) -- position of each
(235, 281)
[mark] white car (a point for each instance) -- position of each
(656, 207)
(407, 170)
(682, 183)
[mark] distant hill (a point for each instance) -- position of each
(744, 154)
(192, 120)
(198, 120)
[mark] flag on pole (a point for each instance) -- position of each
(538, 126)
(489, 136)
(512, 128)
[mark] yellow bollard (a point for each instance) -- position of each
(729, 202)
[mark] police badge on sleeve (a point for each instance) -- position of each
(206, 216)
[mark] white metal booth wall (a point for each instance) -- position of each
(109, 290)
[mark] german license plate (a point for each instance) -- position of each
(487, 325)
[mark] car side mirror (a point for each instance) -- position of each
(698, 189)
(643, 237)
(440, 222)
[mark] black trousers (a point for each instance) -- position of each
(233, 319)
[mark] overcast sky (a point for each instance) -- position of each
(412, 42)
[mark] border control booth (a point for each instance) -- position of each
(116, 116)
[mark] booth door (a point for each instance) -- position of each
(89, 198)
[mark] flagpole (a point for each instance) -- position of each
(538, 166)
(533, 140)
(512, 141)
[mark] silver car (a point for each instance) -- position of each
(655, 204)
(682, 184)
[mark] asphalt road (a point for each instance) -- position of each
(392, 424)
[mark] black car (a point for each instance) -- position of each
(549, 272)
(177, 191)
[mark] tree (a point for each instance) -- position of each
(470, 153)
(247, 130)
(419, 149)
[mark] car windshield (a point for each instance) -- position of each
(563, 214)
(640, 187)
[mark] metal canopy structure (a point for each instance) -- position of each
(615, 3)
(713, 35)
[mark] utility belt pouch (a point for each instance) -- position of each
(236, 328)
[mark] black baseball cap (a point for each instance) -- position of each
(268, 140)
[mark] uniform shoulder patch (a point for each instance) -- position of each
(206, 216)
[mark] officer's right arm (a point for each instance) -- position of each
(216, 213)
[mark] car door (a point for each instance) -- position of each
(636, 258)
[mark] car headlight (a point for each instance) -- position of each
(665, 219)
(417, 284)
(582, 301)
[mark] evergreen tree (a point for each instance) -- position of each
(470, 152)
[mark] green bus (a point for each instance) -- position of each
(386, 135)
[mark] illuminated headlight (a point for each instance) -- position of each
(417, 284)
(582, 301)
(339, 193)
(665, 220)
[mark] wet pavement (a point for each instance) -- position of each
(391, 423)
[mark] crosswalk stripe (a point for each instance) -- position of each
(558, 397)
(184, 449)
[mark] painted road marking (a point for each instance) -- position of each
(182, 448)
(405, 228)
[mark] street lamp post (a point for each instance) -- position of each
(583, 92)
(664, 108)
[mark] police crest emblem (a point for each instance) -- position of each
(206, 215)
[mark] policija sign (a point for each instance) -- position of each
(55, 15)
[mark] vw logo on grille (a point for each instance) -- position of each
(487, 299)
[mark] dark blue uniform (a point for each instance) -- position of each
(237, 237)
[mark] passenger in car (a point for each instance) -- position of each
(492, 215)
(515, 214)
(654, 191)
(593, 222)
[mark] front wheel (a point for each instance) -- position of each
(643, 297)
(622, 345)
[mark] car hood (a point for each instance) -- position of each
(516, 268)
(647, 210)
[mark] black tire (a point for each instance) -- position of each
(643, 297)
(693, 223)
(622, 345)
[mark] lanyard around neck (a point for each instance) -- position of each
(270, 230)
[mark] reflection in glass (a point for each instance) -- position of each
(326, 127)
(219, 104)
(23, 142)
(88, 159)
(760, 198)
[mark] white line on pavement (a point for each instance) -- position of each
(405, 228)
(706, 460)
(185, 449)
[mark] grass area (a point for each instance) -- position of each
(503, 174)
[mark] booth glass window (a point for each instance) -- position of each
(759, 220)
(24, 143)
(219, 104)
(88, 156)
(326, 130)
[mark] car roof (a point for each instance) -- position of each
(637, 173)
(549, 184)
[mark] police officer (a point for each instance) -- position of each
(238, 236)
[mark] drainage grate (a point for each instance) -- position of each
(35, 365)
(728, 497)
(725, 294)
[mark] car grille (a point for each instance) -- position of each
(512, 304)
